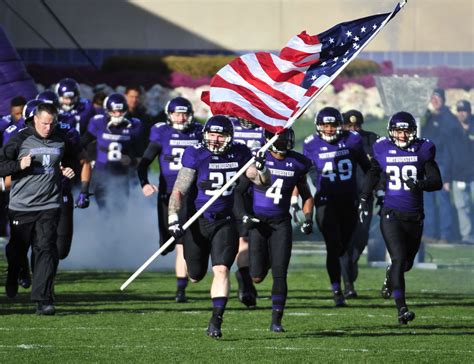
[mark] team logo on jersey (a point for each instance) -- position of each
(289, 164)
(342, 145)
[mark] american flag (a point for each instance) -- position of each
(269, 89)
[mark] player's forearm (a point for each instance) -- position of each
(308, 203)
(181, 187)
(260, 178)
(433, 180)
(86, 172)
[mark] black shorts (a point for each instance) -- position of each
(217, 238)
(270, 247)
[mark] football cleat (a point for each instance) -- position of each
(45, 309)
(386, 290)
(181, 297)
(404, 316)
(339, 299)
(214, 328)
(349, 291)
(276, 327)
(24, 278)
(247, 297)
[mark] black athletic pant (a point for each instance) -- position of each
(358, 242)
(402, 234)
(65, 225)
(336, 219)
(40, 229)
(218, 238)
(270, 247)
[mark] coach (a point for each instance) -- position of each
(35, 158)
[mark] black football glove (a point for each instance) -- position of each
(260, 161)
(250, 222)
(363, 210)
(174, 227)
(412, 184)
(307, 227)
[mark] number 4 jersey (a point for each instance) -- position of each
(274, 200)
(335, 164)
(399, 165)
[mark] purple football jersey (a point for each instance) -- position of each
(400, 164)
(274, 200)
(214, 171)
(335, 164)
(12, 130)
(79, 117)
(252, 138)
(114, 142)
(172, 144)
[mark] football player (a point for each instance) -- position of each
(335, 154)
(168, 142)
(116, 144)
(353, 120)
(270, 230)
(17, 105)
(252, 136)
(410, 168)
(75, 110)
(206, 169)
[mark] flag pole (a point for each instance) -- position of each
(288, 124)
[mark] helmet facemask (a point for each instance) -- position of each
(216, 146)
(403, 144)
(330, 138)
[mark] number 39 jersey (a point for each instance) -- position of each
(399, 165)
(335, 164)
(213, 171)
(114, 142)
(274, 200)
(172, 144)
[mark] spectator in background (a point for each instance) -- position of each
(98, 102)
(461, 169)
(133, 95)
(439, 126)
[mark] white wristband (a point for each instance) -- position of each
(294, 200)
(172, 218)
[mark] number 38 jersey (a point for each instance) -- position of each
(172, 143)
(213, 171)
(335, 165)
(274, 200)
(399, 165)
(114, 142)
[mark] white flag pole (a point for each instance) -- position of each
(288, 124)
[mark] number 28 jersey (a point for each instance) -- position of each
(274, 200)
(399, 165)
(213, 171)
(335, 164)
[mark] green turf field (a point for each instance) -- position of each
(95, 322)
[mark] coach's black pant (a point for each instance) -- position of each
(270, 247)
(336, 219)
(217, 238)
(358, 242)
(40, 229)
(402, 234)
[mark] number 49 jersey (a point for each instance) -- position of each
(336, 164)
(399, 165)
(172, 143)
(213, 171)
(274, 200)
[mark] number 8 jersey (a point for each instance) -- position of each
(399, 165)
(335, 165)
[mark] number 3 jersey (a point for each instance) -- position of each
(171, 145)
(274, 200)
(213, 171)
(335, 164)
(399, 165)
(114, 142)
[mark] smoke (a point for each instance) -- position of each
(121, 239)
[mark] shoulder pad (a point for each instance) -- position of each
(309, 138)
(381, 139)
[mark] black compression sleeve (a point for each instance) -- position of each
(372, 177)
(149, 155)
(432, 180)
(239, 196)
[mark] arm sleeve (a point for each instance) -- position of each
(87, 138)
(149, 155)
(432, 180)
(372, 178)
